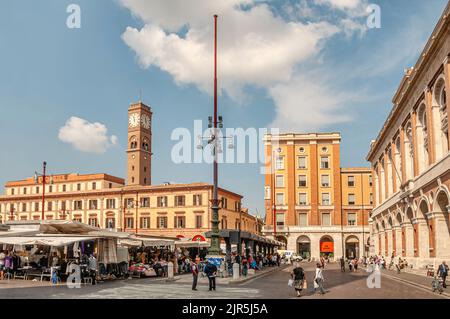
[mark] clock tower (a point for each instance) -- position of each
(139, 148)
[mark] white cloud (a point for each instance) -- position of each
(85, 136)
(256, 46)
(307, 103)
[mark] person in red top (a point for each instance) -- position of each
(194, 269)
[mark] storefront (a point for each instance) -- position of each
(327, 247)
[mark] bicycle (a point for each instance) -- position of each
(437, 285)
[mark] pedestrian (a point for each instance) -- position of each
(298, 275)
(210, 271)
(342, 262)
(443, 272)
(319, 279)
(93, 268)
(278, 259)
(194, 269)
(244, 266)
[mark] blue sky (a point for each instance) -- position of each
(340, 77)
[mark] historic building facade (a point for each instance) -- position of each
(411, 161)
(106, 201)
(317, 207)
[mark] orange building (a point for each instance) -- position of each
(317, 207)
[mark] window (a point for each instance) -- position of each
(279, 181)
(302, 162)
(199, 221)
(37, 189)
(132, 168)
(49, 206)
(161, 201)
(303, 219)
(326, 219)
(162, 222)
(93, 204)
(324, 162)
(325, 199)
(351, 181)
(36, 207)
(24, 191)
(351, 220)
(129, 203)
(371, 198)
(77, 219)
(94, 185)
(302, 181)
(145, 169)
(129, 222)
(351, 199)
(110, 185)
(180, 222)
(50, 189)
(325, 180)
(78, 187)
(302, 150)
(64, 188)
(93, 221)
(324, 149)
(370, 180)
(110, 203)
(145, 180)
(302, 199)
(224, 202)
(180, 200)
(280, 221)
(78, 205)
(237, 206)
(110, 223)
(197, 200)
(63, 205)
(145, 202)
(279, 164)
(12, 191)
(145, 222)
(280, 199)
(24, 207)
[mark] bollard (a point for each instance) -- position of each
(235, 271)
(170, 271)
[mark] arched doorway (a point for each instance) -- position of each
(304, 247)
(352, 247)
(426, 246)
(327, 246)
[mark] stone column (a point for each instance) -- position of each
(403, 152)
(429, 113)
(447, 86)
(398, 241)
(423, 238)
(415, 144)
(390, 244)
(409, 236)
(442, 236)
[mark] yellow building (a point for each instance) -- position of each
(411, 161)
(318, 208)
(102, 200)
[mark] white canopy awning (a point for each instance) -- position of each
(155, 242)
(191, 244)
(43, 240)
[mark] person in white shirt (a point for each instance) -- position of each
(319, 279)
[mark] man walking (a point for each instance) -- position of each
(342, 262)
(443, 272)
(210, 271)
(194, 269)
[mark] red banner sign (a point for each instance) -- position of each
(326, 247)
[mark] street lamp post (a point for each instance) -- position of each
(215, 122)
(44, 177)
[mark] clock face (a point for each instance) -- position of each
(134, 120)
(145, 120)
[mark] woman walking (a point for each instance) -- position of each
(318, 280)
(298, 275)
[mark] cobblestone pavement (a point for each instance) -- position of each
(272, 286)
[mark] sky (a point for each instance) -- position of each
(294, 65)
